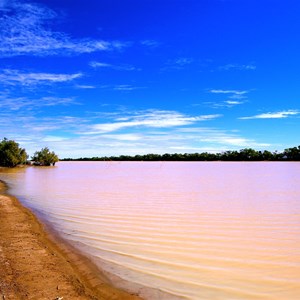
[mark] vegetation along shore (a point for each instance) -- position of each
(247, 154)
(12, 155)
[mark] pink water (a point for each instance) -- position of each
(192, 230)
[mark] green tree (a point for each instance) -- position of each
(292, 153)
(11, 154)
(45, 157)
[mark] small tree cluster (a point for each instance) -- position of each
(11, 154)
(45, 157)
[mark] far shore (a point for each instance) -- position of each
(37, 265)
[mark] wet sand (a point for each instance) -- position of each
(35, 266)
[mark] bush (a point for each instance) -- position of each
(45, 157)
(11, 154)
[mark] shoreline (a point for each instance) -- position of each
(38, 264)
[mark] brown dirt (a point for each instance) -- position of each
(33, 266)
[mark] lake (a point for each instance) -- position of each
(177, 230)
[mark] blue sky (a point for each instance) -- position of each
(111, 77)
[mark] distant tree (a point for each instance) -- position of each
(45, 157)
(292, 153)
(267, 155)
(11, 154)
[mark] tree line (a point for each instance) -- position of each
(247, 154)
(11, 155)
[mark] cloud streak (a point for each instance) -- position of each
(234, 92)
(152, 119)
(228, 67)
(23, 31)
(213, 137)
(225, 104)
(235, 97)
(127, 87)
(178, 63)
(273, 115)
(15, 104)
(150, 43)
(16, 77)
(96, 64)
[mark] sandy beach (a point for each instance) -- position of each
(34, 266)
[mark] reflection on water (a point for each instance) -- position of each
(198, 230)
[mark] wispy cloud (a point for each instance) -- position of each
(273, 115)
(124, 67)
(14, 104)
(248, 67)
(23, 31)
(84, 86)
(224, 104)
(96, 64)
(150, 43)
(122, 87)
(234, 92)
(232, 102)
(122, 132)
(234, 97)
(182, 61)
(152, 119)
(213, 137)
(123, 137)
(178, 63)
(127, 87)
(16, 77)
(51, 138)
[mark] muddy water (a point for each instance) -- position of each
(192, 230)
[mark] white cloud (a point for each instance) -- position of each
(124, 132)
(153, 119)
(213, 137)
(16, 77)
(23, 31)
(234, 92)
(123, 137)
(96, 64)
(234, 97)
(235, 141)
(83, 86)
(224, 104)
(126, 87)
(182, 61)
(51, 138)
(189, 149)
(169, 140)
(15, 104)
(273, 115)
(177, 64)
(247, 67)
(150, 43)
(238, 96)
(231, 102)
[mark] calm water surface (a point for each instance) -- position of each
(192, 230)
